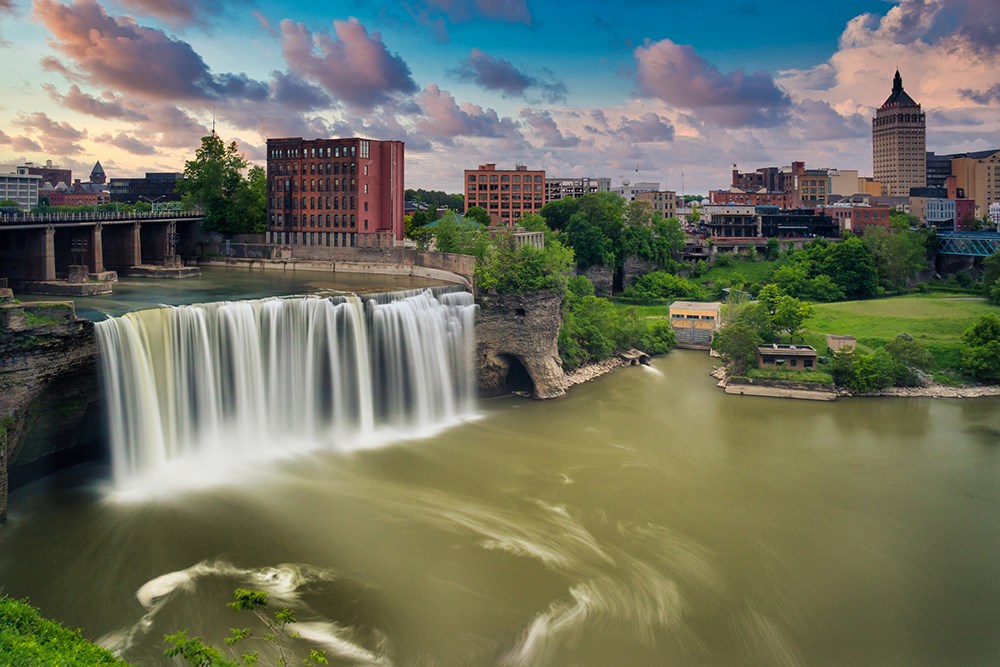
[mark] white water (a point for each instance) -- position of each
(201, 388)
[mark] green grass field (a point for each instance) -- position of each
(754, 271)
(936, 320)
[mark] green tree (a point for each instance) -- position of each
(277, 634)
(215, 182)
(662, 285)
(911, 357)
(790, 315)
(899, 255)
(981, 351)
(737, 344)
(991, 270)
(993, 292)
(479, 214)
(851, 267)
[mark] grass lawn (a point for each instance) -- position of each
(754, 271)
(936, 320)
(816, 376)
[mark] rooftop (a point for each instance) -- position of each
(697, 305)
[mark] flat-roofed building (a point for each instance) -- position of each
(695, 323)
(506, 194)
(19, 186)
(738, 197)
(628, 190)
(561, 188)
(792, 357)
(335, 192)
(730, 221)
(664, 201)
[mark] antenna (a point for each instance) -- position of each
(213, 119)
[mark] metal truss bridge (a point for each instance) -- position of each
(973, 244)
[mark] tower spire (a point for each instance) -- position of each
(897, 82)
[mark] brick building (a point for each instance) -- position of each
(50, 173)
(506, 194)
(738, 197)
(334, 192)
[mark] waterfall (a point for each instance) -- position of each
(235, 378)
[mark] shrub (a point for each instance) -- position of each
(26, 638)
(658, 338)
(663, 285)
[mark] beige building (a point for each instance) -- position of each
(978, 174)
(899, 143)
(506, 194)
(695, 323)
(663, 201)
(869, 186)
(843, 182)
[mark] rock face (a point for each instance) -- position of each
(48, 385)
(516, 344)
(635, 267)
(602, 276)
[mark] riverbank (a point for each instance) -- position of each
(932, 390)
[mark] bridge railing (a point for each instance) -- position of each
(97, 216)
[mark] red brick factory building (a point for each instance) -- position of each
(341, 193)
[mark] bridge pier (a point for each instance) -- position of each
(47, 254)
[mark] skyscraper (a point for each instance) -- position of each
(899, 143)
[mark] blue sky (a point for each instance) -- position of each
(643, 90)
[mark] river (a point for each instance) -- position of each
(645, 519)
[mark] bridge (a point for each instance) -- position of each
(79, 254)
(970, 244)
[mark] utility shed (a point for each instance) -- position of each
(695, 322)
(792, 357)
(836, 343)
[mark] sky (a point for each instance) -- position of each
(673, 91)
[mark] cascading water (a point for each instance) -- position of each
(229, 378)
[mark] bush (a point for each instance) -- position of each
(663, 285)
(981, 354)
(26, 638)
(658, 338)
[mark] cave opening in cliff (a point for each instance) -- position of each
(518, 378)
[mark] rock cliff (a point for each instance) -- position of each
(516, 344)
(48, 385)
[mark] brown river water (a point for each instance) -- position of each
(645, 519)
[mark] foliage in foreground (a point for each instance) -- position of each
(276, 634)
(509, 268)
(594, 329)
(215, 181)
(981, 354)
(897, 364)
(26, 638)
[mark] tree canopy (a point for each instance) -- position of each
(214, 181)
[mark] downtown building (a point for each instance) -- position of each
(562, 188)
(335, 192)
(155, 187)
(506, 194)
(899, 143)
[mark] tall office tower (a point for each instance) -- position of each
(899, 143)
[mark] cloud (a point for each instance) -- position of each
(444, 119)
(109, 106)
(545, 127)
(499, 74)
(127, 143)
(355, 67)
(122, 55)
(990, 95)
(19, 143)
(972, 23)
(295, 93)
(6, 5)
(177, 12)
(815, 120)
(58, 138)
(650, 127)
(676, 74)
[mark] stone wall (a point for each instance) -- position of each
(521, 327)
(48, 384)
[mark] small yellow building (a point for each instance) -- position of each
(695, 323)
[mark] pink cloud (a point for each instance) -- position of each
(676, 74)
(19, 143)
(58, 138)
(444, 119)
(122, 55)
(355, 66)
(127, 143)
(545, 127)
(108, 105)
